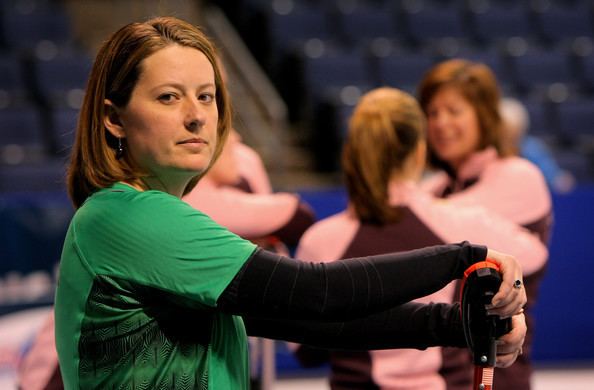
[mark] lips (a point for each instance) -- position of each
(193, 141)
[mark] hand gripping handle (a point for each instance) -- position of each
(481, 330)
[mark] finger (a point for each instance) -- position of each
(506, 348)
(506, 360)
(504, 296)
(511, 271)
(514, 340)
(510, 304)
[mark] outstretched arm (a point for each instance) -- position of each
(411, 325)
(276, 287)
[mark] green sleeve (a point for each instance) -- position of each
(157, 240)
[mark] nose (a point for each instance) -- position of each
(437, 119)
(195, 116)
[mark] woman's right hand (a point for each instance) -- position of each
(511, 297)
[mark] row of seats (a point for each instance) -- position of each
(363, 43)
(34, 25)
(322, 55)
(534, 69)
(318, 71)
(43, 72)
(356, 23)
(487, 24)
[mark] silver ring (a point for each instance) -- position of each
(518, 283)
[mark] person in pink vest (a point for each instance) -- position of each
(476, 166)
(383, 159)
(239, 199)
(251, 169)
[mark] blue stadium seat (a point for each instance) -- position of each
(426, 24)
(403, 70)
(362, 24)
(27, 24)
(292, 27)
(494, 22)
(541, 120)
(336, 70)
(587, 71)
(557, 22)
(536, 69)
(62, 79)
(13, 90)
(33, 221)
(576, 119)
(22, 137)
(46, 175)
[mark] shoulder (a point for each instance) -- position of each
(517, 173)
(129, 211)
(513, 187)
(328, 238)
(514, 167)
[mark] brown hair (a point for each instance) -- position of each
(114, 75)
(386, 127)
(477, 83)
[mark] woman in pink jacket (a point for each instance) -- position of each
(383, 158)
(476, 167)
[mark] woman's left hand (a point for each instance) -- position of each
(509, 346)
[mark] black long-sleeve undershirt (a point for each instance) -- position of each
(410, 325)
(354, 303)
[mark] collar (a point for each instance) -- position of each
(476, 164)
(401, 192)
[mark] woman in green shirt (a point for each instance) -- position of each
(153, 294)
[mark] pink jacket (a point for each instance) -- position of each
(512, 187)
(251, 167)
(237, 210)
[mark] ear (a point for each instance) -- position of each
(112, 120)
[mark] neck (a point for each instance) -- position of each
(411, 171)
(456, 164)
(172, 188)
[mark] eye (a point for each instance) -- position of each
(456, 110)
(167, 97)
(206, 97)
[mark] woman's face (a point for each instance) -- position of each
(453, 129)
(170, 122)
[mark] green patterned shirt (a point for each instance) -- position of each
(140, 275)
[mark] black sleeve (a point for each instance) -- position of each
(411, 325)
(271, 286)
